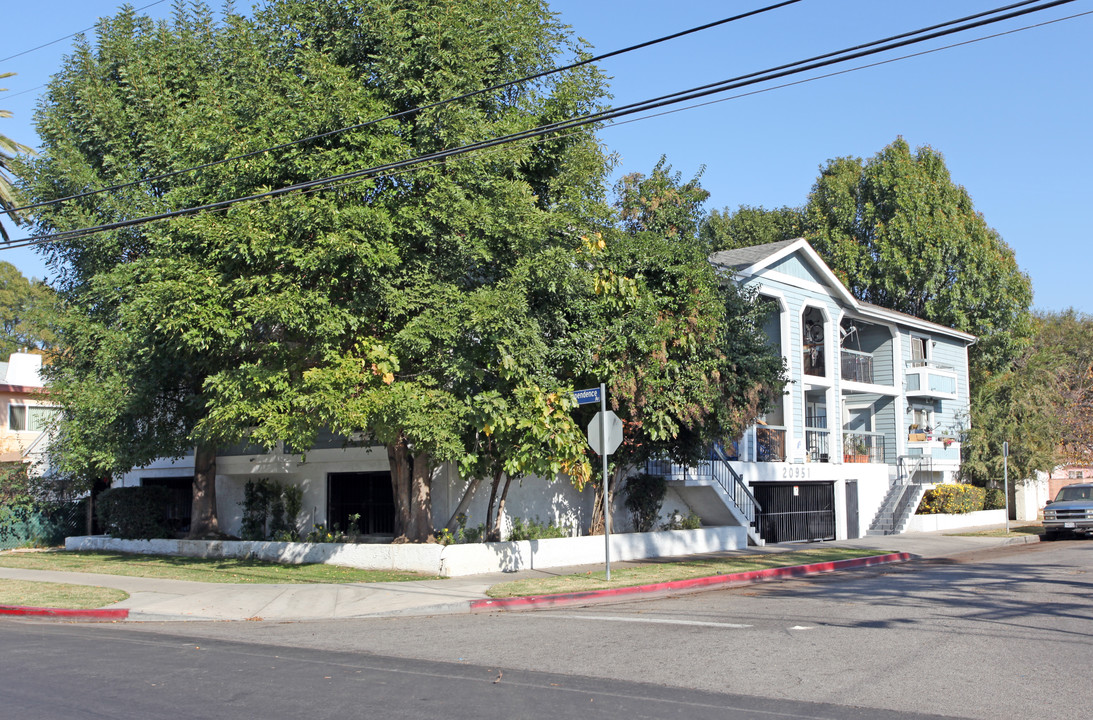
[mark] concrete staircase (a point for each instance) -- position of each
(903, 497)
(715, 492)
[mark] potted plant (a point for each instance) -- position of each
(855, 449)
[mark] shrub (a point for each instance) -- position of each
(536, 530)
(644, 495)
(270, 510)
(952, 500)
(995, 499)
(134, 513)
(679, 521)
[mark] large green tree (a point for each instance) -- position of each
(353, 308)
(26, 311)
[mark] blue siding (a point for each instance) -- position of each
(795, 266)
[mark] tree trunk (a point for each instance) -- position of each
(501, 509)
(203, 520)
(421, 500)
(399, 459)
(464, 503)
(595, 527)
(494, 485)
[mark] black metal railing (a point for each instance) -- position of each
(817, 440)
(734, 486)
(863, 447)
(718, 469)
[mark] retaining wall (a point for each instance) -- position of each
(447, 560)
(933, 523)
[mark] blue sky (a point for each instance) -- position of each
(1010, 114)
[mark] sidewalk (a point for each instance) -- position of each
(172, 600)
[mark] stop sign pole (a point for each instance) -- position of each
(607, 486)
(604, 444)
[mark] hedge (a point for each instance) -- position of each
(952, 500)
(134, 513)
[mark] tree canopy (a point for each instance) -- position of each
(26, 310)
(446, 310)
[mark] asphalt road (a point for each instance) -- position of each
(1006, 634)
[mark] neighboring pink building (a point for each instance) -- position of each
(1068, 475)
(24, 411)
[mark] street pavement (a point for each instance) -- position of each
(179, 600)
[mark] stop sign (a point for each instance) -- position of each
(614, 432)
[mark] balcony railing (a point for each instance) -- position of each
(857, 366)
(770, 443)
(817, 441)
(863, 447)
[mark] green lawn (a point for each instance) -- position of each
(659, 572)
(57, 595)
(199, 569)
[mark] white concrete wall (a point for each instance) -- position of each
(450, 560)
(934, 523)
(532, 498)
(1030, 497)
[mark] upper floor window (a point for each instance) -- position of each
(812, 341)
(29, 418)
(919, 346)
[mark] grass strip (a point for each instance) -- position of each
(31, 593)
(218, 570)
(668, 571)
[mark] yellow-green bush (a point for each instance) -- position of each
(952, 500)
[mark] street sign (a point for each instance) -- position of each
(614, 432)
(585, 397)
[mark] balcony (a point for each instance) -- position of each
(817, 441)
(930, 380)
(857, 366)
(863, 447)
(770, 444)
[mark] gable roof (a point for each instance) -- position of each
(753, 261)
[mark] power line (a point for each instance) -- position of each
(572, 124)
(403, 113)
(66, 37)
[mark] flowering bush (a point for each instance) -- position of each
(952, 500)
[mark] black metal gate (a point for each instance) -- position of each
(367, 494)
(796, 512)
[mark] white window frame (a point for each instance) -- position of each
(26, 415)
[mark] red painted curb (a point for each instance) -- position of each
(713, 581)
(107, 614)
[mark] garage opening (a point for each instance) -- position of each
(796, 512)
(367, 494)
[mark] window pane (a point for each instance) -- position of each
(38, 418)
(17, 417)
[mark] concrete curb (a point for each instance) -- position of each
(743, 578)
(65, 614)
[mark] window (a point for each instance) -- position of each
(1075, 474)
(918, 350)
(921, 418)
(29, 418)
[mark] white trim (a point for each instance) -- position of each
(841, 292)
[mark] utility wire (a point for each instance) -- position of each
(403, 113)
(610, 114)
